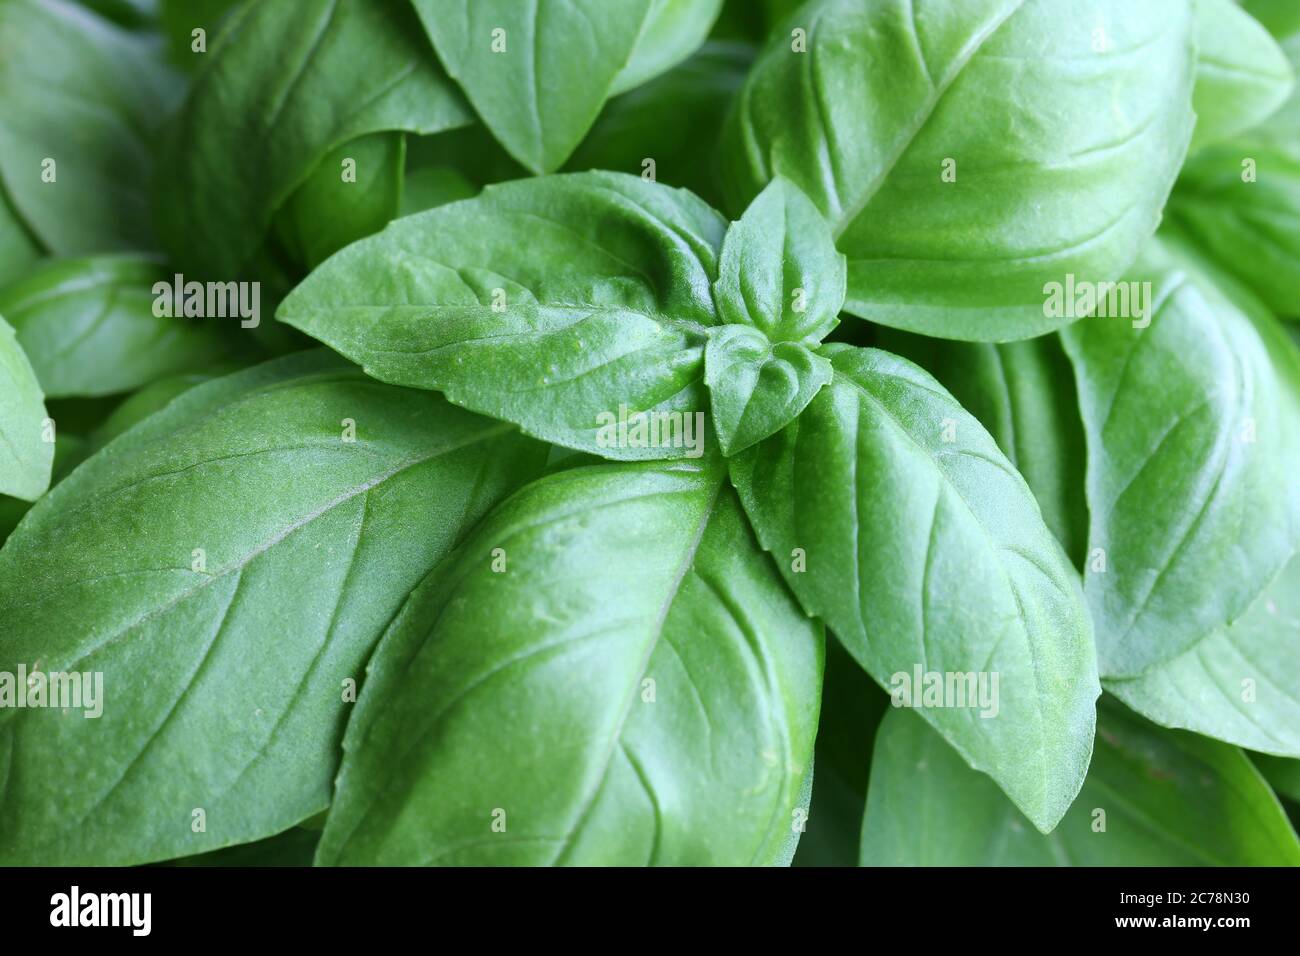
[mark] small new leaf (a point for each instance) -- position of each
(779, 271)
(757, 388)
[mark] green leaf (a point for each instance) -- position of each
(428, 187)
(1064, 142)
(25, 456)
(1282, 774)
(285, 86)
(82, 94)
(852, 707)
(1164, 797)
(1023, 393)
(178, 19)
(779, 271)
(225, 601)
(667, 681)
(1242, 75)
(18, 247)
(354, 191)
(673, 30)
(152, 398)
(671, 121)
(896, 520)
(536, 72)
(757, 388)
(1193, 426)
(1240, 683)
(89, 326)
(607, 304)
(294, 847)
(1240, 201)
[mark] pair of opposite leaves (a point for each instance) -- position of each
(895, 403)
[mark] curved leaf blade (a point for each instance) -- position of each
(89, 326)
(286, 85)
(952, 226)
(1193, 428)
(927, 554)
(605, 308)
(537, 72)
(26, 458)
(82, 93)
(225, 602)
(1240, 684)
(1242, 75)
(697, 688)
(1164, 798)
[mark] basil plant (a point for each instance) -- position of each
(649, 432)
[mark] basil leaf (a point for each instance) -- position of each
(1240, 201)
(288, 84)
(294, 847)
(226, 602)
(178, 19)
(1193, 425)
(696, 689)
(18, 247)
(25, 456)
(428, 187)
(896, 520)
(1240, 683)
(354, 191)
(671, 122)
(756, 388)
(1164, 798)
(89, 326)
(1283, 775)
(79, 99)
(538, 72)
(1023, 393)
(673, 29)
(779, 271)
(1242, 75)
(852, 707)
(969, 153)
(603, 309)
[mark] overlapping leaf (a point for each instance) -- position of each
(226, 567)
(642, 668)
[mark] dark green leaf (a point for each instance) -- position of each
(354, 191)
(671, 122)
(82, 94)
(1164, 798)
(286, 86)
(90, 328)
